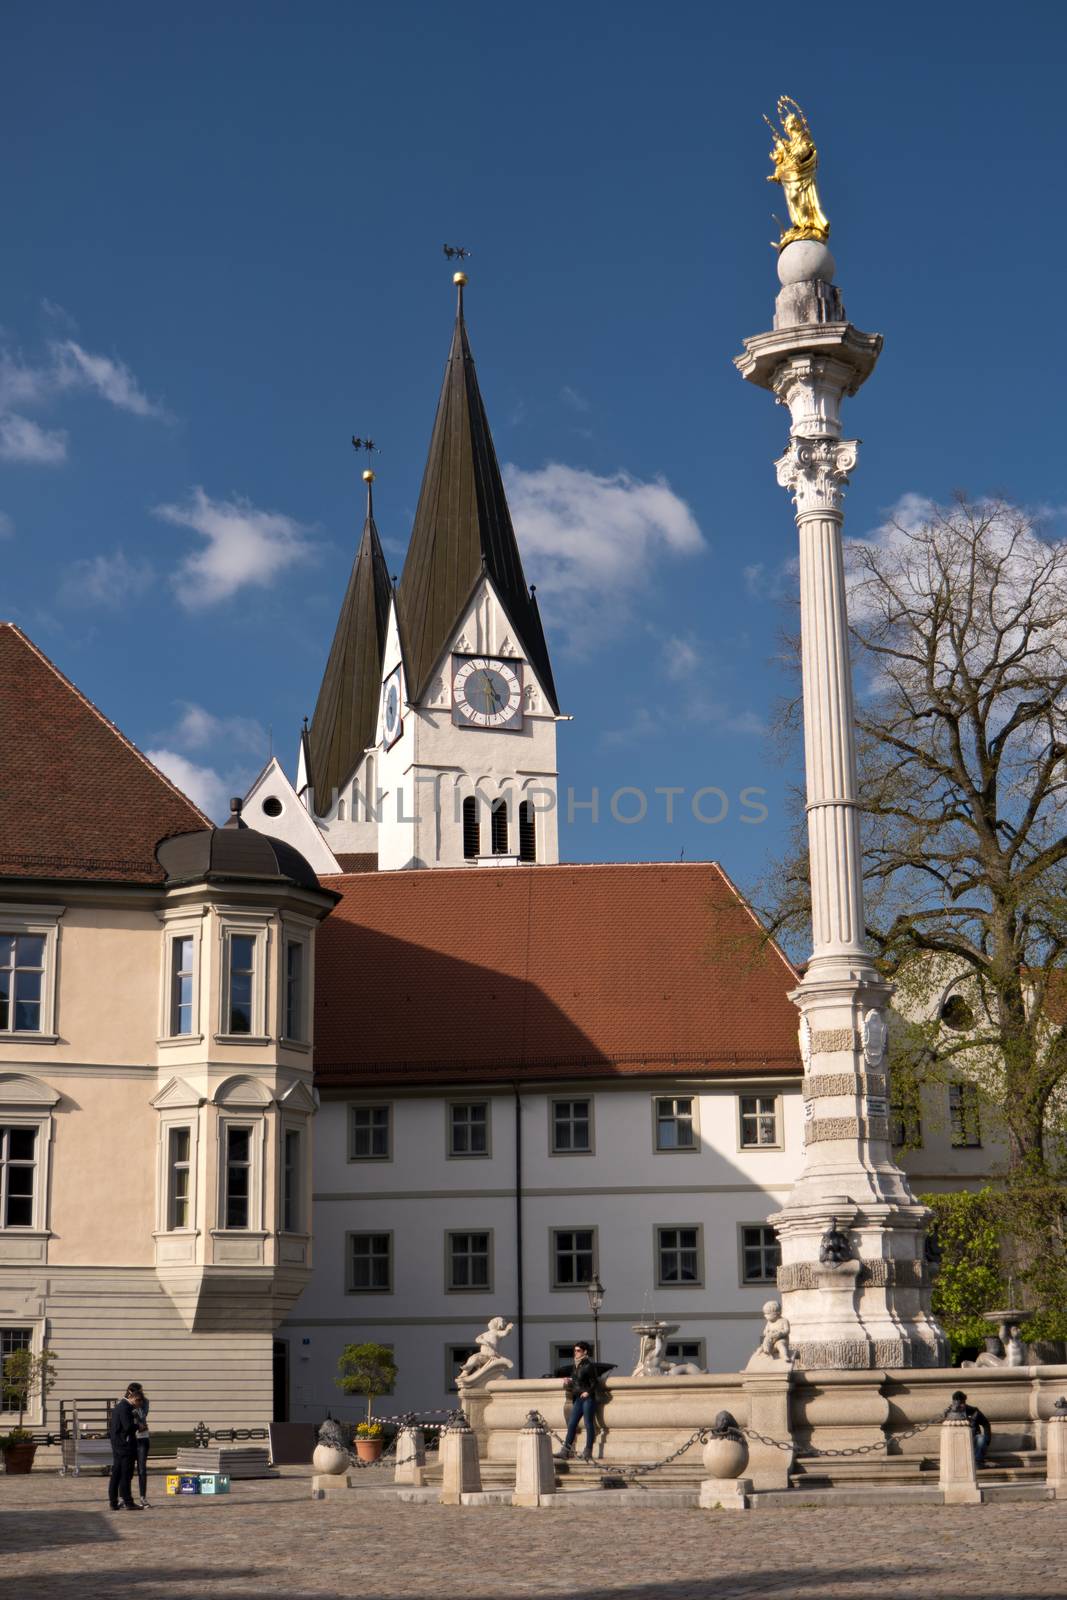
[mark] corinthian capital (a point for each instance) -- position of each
(815, 471)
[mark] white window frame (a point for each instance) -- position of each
(757, 1095)
(451, 1287)
(170, 1167)
(291, 1125)
(366, 1233)
(235, 922)
(27, 1103)
(468, 1155)
(753, 1283)
(553, 1256)
(570, 1100)
(42, 922)
(694, 1124)
(34, 1416)
(659, 1230)
(179, 922)
(700, 1359)
(296, 931)
(368, 1105)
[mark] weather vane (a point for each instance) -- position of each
(456, 252)
(365, 444)
(796, 162)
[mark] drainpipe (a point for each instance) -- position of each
(518, 1232)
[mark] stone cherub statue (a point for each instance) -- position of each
(775, 1341)
(834, 1248)
(796, 162)
(486, 1360)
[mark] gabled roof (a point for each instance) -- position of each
(346, 712)
(463, 528)
(77, 799)
(483, 974)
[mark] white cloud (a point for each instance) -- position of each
(199, 729)
(106, 580)
(573, 398)
(681, 658)
(58, 314)
(22, 384)
(26, 441)
(591, 542)
(111, 379)
(245, 547)
(7, 526)
(204, 786)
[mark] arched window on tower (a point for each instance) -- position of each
(340, 811)
(500, 827)
(472, 830)
(527, 832)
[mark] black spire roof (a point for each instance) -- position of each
(462, 528)
(346, 712)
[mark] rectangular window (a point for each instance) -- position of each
(905, 1123)
(499, 827)
(181, 985)
(963, 1116)
(294, 989)
(455, 1357)
(563, 1357)
(761, 1255)
(468, 1129)
(571, 1127)
(527, 832)
(691, 1350)
(678, 1253)
(573, 1257)
(370, 1263)
(468, 1261)
(759, 1120)
(12, 1340)
(21, 978)
(238, 1176)
(242, 979)
(18, 1173)
(674, 1123)
(179, 1142)
(370, 1133)
(291, 1209)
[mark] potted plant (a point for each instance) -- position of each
(24, 1374)
(369, 1370)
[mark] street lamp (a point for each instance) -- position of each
(595, 1293)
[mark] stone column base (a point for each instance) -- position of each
(726, 1494)
(327, 1483)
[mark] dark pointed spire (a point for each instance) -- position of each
(346, 712)
(462, 529)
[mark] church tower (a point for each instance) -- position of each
(434, 736)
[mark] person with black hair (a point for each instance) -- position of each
(122, 1431)
(981, 1432)
(583, 1381)
(142, 1439)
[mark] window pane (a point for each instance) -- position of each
(294, 992)
(370, 1261)
(29, 950)
(21, 1143)
(5, 997)
(370, 1132)
(19, 1213)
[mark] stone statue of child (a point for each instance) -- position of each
(775, 1340)
(487, 1352)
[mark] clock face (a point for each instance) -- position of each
(486, 693)
(391, 719)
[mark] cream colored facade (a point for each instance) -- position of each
(135, 1258)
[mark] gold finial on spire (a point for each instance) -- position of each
(368, 476)
(459, 279)
(796, 162)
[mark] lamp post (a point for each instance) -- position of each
(595, 1292)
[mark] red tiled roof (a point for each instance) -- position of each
(77, 799)
(357, 861)
(541, 972)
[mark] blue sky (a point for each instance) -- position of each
(221, 256)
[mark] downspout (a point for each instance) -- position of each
(519, 1302)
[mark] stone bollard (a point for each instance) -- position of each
(958, 1479)
(410, 1456)
(331, 1461)
(1056, 1447)
(725, 1459)
(535, 1476)
(461, 1473)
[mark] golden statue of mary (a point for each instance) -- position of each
(796, 162)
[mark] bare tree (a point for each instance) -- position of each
(959, 638)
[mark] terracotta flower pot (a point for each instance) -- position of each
(368, 1449)
(19, 1457)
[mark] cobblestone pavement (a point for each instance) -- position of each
(59, 1541)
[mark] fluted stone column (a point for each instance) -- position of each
(811, 360)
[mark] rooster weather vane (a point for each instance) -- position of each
(455, 252)
(365, 444)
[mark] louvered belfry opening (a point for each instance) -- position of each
(500, 827)
(472, 831)
(527, 832)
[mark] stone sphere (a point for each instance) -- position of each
(805, 261)
(725, 1457)
(329, 1460)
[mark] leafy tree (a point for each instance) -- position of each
(959, 634)
(24, 1375)
(366, 1369)
(970, 1278)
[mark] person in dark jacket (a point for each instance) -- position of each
(142, 1439)
(583, 1383)
(122, 1431)
(981, 1432)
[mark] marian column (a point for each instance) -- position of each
(854, 1279)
